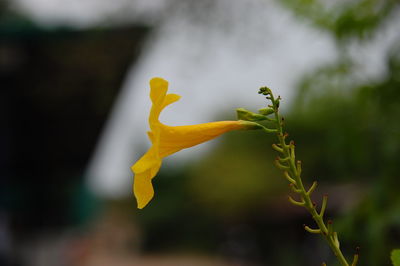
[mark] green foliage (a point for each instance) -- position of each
(395, 257)
(344, 19)
(350, 125)
(353, 136)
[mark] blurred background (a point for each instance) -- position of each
(74, 102)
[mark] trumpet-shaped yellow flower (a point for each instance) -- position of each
(167, 140)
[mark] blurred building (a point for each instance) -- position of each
(57, 88)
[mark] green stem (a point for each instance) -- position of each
(294, 171)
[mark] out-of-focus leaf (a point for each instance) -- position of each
(395, 257)
(345, 19)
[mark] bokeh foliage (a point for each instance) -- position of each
(344, 19)
(355, 124)
(347, 131)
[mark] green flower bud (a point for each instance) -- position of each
(246, 115)
(266, 111)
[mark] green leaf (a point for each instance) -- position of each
(395, 256)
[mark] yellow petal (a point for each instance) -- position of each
(151, 136)
(170, 98)
(158, 89)
(143, 189)
(150, 160)
(159, 106)
(145, 169)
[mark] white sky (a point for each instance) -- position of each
(86, 13)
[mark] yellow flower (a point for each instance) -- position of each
(167, 140)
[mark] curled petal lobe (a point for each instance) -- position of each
(158, 89)
(143, 189)
(170, 98)
(150, 160)
(160, 99)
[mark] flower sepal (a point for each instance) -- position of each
(266, 111)
(243, 114)
(248, 125)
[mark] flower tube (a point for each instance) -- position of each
(167, 140)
